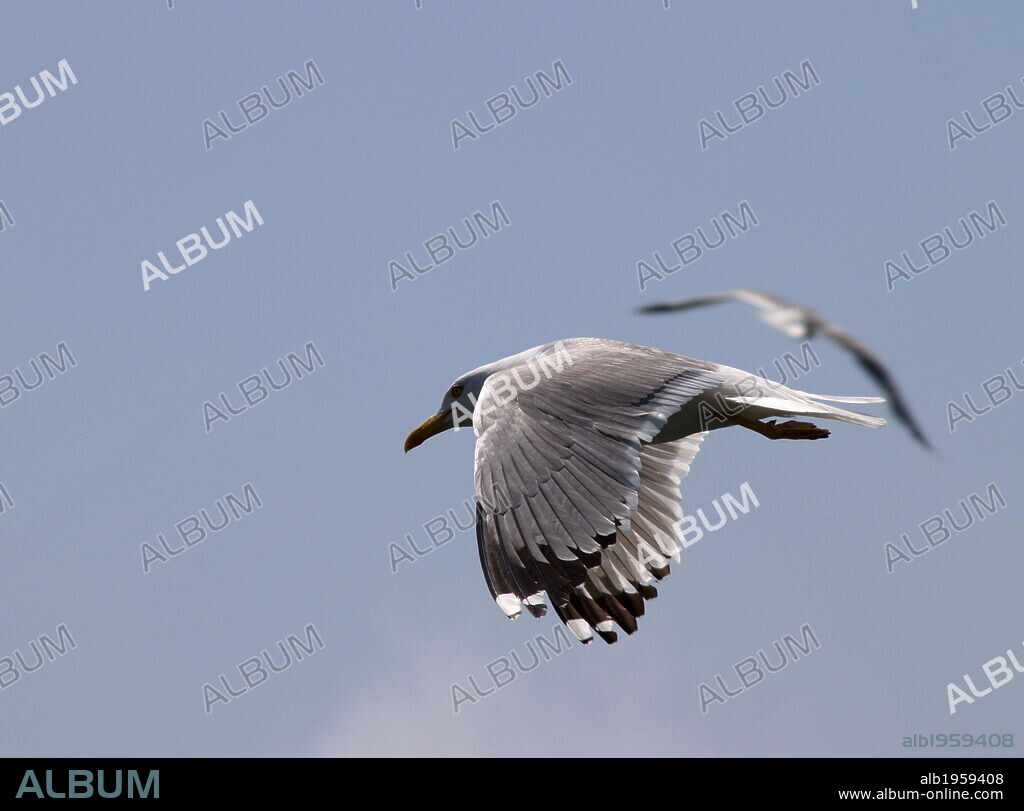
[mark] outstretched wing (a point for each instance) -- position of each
(796, 321)
(617, 588)
(873, 365)
(560, 456)
(757, 298)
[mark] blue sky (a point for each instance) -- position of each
(593, 178)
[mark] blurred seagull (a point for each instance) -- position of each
(803, 323)
(581, 447)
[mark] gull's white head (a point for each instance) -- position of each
(460, 399)
(456, 407)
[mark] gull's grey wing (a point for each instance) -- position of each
(754, 297)
(617, 588)
(796, 321)
(873, 365)
(558, 467)
(686, 303)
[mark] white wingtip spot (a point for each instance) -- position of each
(509, 605)
(535, 599)
(605, 626)
(580, 630)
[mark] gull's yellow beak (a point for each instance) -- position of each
(441, 421)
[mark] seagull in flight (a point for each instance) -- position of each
(803, 323)
(581, 448)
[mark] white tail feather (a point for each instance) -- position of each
(780, 407)
(832, 398)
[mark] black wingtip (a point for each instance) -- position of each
(647, 592)
(918, 434)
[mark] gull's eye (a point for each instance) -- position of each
(456, 390)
